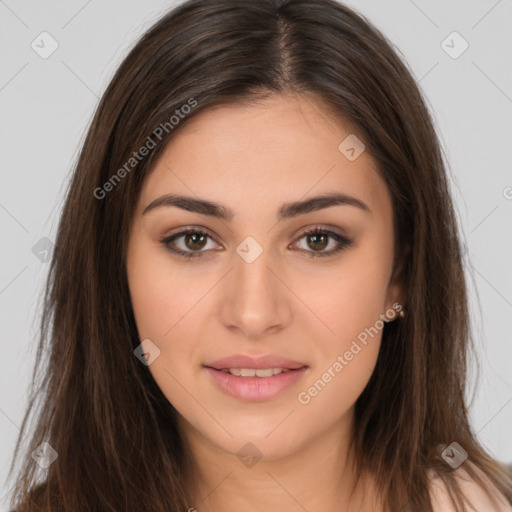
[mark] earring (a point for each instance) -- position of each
(401, 314)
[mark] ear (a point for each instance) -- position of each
(395, 299)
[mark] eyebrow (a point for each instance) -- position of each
(286, 211)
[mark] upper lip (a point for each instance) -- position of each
(268, 361)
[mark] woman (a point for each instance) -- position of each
(257, 296)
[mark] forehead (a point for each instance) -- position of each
(283, 148)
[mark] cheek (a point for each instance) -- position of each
(348, 300)
(332, 392)
(161, 295)
(349, 348)
(163, 307)
(350, 305)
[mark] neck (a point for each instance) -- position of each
(319, 475)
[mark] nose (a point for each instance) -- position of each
(255, 301)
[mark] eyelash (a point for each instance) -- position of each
(343, 242)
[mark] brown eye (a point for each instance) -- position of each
(194, 241)
(318, 239)
(192, 245)
(318, 242)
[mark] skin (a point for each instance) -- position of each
(252, 160)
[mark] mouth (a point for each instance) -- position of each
(255, 384)
(255, 372)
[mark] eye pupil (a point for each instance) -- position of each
(316, 236)
(194, 236)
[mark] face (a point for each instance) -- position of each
(253, 282)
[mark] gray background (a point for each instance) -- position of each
(46, 105)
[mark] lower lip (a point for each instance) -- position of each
(255, 389)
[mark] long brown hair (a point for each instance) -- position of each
(98, 407)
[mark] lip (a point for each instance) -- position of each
(255, 389)
(258, 363)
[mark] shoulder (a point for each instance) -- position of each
(472, 491)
